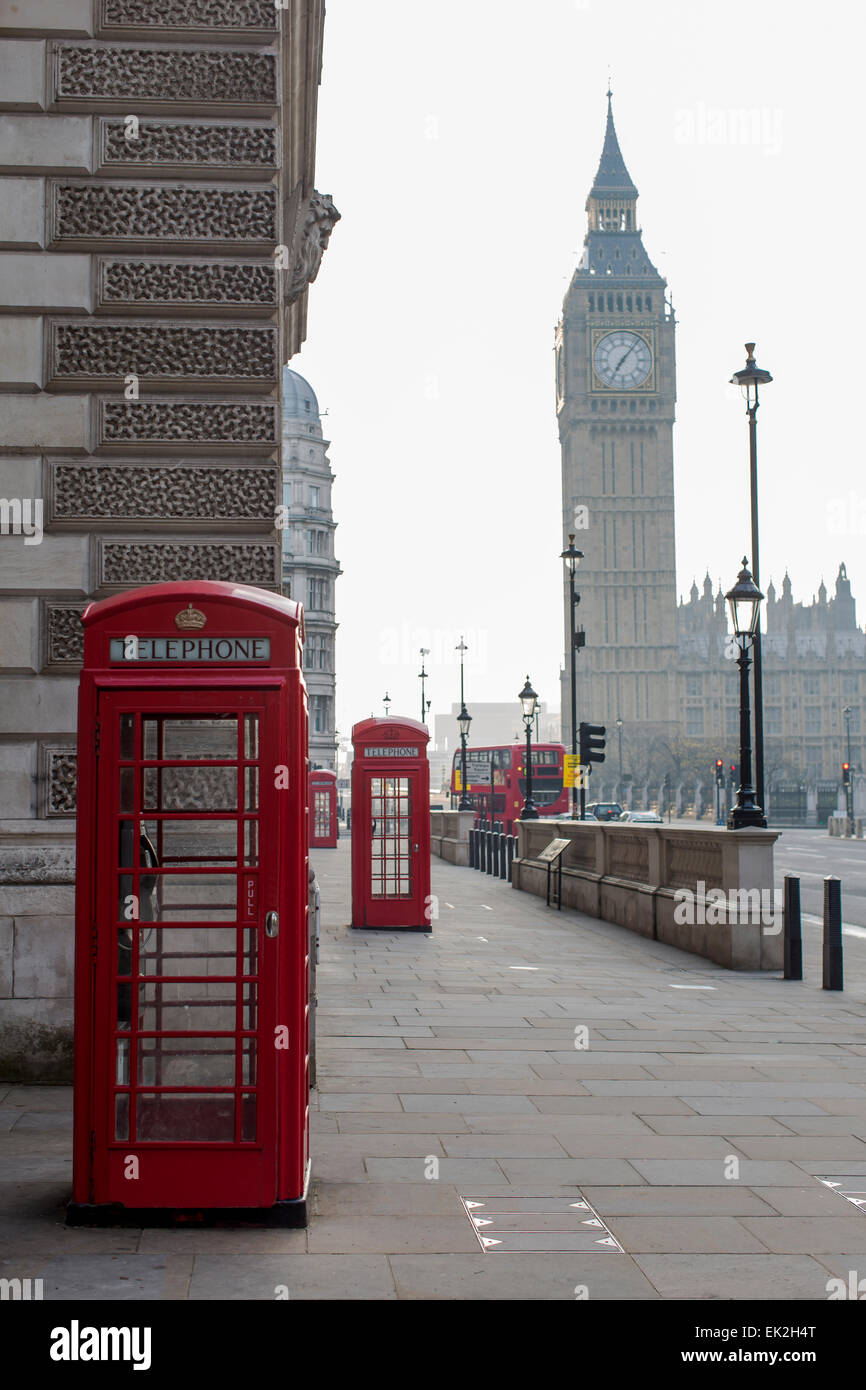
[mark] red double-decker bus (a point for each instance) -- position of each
(497, 775)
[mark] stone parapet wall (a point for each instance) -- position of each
(678, 885)
(449, 835)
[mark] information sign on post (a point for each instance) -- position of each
(551, 855)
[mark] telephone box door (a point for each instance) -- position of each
(393, 805)
(186, 950)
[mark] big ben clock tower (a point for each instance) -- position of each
(615, 394)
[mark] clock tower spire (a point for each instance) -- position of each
(615, 398)
(612, 201)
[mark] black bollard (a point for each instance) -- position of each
(832, 932)
(472, 849)
(503, 870)
(489, 834)
(482, 851)
(793, 943)
(511, 843)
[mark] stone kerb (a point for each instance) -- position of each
(704, 890)
(449, 835)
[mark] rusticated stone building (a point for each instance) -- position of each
(159, 227)
(310, 568)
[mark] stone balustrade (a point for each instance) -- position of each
(705, 890)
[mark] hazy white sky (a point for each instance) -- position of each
(459, 139)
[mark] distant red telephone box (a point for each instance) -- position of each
(323, 809)
(191, 970)
(391, 825)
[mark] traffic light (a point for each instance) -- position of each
(592, 743)
(846, 774)
(734, 775)
(720, 772)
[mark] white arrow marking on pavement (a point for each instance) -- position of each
(476, 1204)
(451, 905)
(486, 908)
(484, 939)
(582, 1206)
(608, 1240)
(593, 1223)
(486, 1240)
(482, 1221)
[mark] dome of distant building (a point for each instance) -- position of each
(299, 398)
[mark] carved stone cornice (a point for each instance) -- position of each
(163, 424)
(105, 352)
(192, 147)
(157, 284)
(58, 779)
(174, 493)
(145, 77)
(61, 636)
(125, 564)
(93, 215)
(252, 21)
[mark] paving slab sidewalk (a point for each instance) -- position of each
(516, 1053)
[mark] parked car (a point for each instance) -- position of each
(605, 810)
(643, 817)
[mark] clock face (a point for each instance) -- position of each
(623, 359)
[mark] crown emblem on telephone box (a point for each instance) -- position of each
(190, 619)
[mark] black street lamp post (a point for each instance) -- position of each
(425, 651)
(849, 787)
(528, 702)
(464, 719)
(386, 701)
(749, 379)
(572, 559)
(744, 601)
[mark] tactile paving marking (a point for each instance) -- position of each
(853, 1189)
(538, 1225)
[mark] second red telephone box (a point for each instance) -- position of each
(391, 825)
(323, 809)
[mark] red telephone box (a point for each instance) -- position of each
(391, 825)
(192, 954)
(323, 809)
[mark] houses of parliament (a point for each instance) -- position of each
(654, 663)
